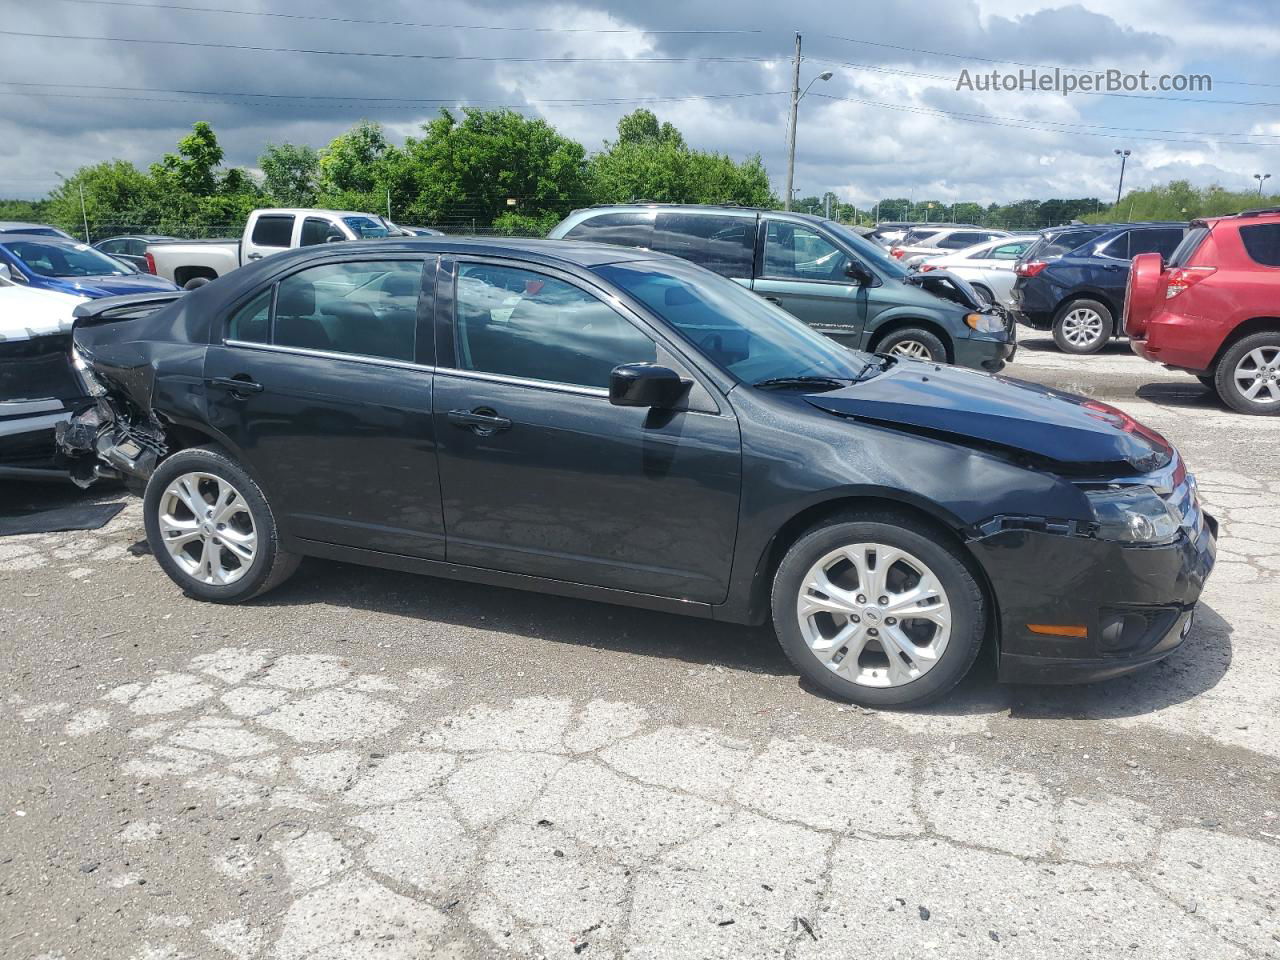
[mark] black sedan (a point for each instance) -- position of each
(610, 424)
(132, 249)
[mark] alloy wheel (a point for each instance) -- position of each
(875, 615)
(911, 348)
(1082, 327)
(1257, 375)
(207, 528)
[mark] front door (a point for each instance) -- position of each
(804, 272)
(541, 475)
(323, 384)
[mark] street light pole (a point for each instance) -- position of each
(1123, 155)
(1260, 177)
(796, 96)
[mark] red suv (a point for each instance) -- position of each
(1214, 309)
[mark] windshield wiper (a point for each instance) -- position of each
(802, 383)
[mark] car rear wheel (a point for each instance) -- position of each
(984, 292)
(1083, 326)
(877, 609)
(1248, 375)
(211, 529)
(915, 343)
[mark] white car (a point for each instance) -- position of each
(987, 266)
(38, 386)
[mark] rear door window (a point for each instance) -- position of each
(961, 239)
(273, 230)
(1057, 244)
(1162, 241)
(1117, 248)
(722, 244)
(1262, 243)
(315, 230)
(627, 229)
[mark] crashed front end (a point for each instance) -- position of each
(118, 434)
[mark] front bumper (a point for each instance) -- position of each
(1132, 604)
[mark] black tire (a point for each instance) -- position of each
(1225, 379)
(1210, 383)
(270, 565)
(1068, 342)
(927, 340)
(195, 282)
(983, 291)
(905, 532)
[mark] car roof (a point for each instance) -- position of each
(578, 253)
(40, 238)
(1258, 214)
(17, 226)
(725, 209)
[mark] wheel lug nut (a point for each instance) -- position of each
(883, 600)
(861, 598)
(873, 632)
(890, 621)
(855, 618)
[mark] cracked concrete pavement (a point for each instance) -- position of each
(366, 764)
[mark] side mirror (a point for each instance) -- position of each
(645, 385)
(859, 274)
(334, 238)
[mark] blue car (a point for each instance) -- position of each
(68, 266)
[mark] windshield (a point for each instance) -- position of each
(366, 228)
(871, 254)
(65, 259)
(744, 335)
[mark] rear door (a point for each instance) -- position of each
(322, 382)
(271, 233)
(722, 244)
(803, 271)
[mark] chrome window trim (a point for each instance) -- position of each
(329, 355)
(601, 392)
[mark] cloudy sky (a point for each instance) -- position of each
(889, 123)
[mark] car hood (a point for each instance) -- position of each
(1009, 415)
(26, 313)
(112, 286)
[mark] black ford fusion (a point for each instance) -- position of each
(605, 423)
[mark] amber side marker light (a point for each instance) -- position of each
(1058, 630)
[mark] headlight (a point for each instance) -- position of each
(1133, 515)
(984, 322)
(90, 383)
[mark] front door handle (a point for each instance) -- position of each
(255, 256)
(238, 385)
(482, 421)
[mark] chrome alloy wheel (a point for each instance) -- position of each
(1257, 375)
(1082, 327)
(207, 528)
(910, 348)
(874, 615)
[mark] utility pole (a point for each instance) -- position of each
(388, 203)
(791, 128)
(84, 215)
(1123, 155)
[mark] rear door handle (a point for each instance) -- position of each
(482, 421)
(236, 384)
(777, 300)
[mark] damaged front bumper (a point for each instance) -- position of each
(101, 442)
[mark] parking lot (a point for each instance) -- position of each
(365, 764)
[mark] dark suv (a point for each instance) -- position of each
(820, 271)
(1072, 280)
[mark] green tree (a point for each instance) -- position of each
(468, 169)
(290, 174)
(117, 196)
(649, 161)
(193, 169)
(351, 163)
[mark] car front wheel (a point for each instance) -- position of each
(915, 343)
(211, 529)
(877, 609)
(1083, 326)
(1248, 375)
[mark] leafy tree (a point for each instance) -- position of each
(1179, 200)
(193, 169)
(652, 162)
(351, 161)
(116, 196)
(290, 174)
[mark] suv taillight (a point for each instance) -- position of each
(926, 267)
(1180, 278)
(897, 253)
(1031, 268)
(151, 262)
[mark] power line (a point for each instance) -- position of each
(1019, 124)
(382, 54)
(401, 23)
(410, 102)
(1016, 63)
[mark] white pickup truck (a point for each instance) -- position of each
(189, 263)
